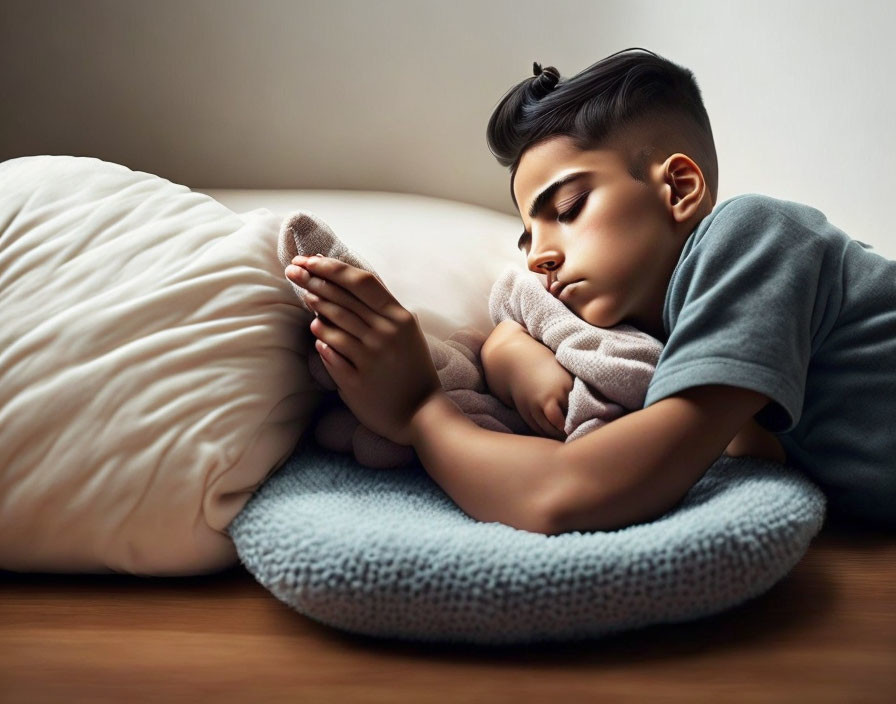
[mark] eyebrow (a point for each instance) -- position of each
(541, 200)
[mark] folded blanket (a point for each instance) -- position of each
(611, 367)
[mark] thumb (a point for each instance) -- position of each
(555, 414)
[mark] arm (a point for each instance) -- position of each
(628, 471)
(654, 456)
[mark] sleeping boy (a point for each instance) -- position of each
(770, 316)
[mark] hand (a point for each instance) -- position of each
(524, 373)
(541, 395)
(372, 347)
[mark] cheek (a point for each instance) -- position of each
(617, 258)
(621, 207)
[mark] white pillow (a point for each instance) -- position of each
(153, 369)
(438, 257)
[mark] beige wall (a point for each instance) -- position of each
(395, 95)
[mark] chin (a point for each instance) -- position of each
(598, 315)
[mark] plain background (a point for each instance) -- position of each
(395, 95)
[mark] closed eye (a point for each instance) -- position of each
(570, 214)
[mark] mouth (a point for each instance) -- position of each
(556, 287)
(561, 290)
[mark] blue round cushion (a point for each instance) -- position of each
(387, 553)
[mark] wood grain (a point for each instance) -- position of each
(825, 633)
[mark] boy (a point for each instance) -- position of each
(767, 312)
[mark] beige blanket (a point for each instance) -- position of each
(611, 367)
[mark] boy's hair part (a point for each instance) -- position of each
(634, 97)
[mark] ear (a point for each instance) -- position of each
(683, 186)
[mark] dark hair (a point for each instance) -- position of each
(629, 86)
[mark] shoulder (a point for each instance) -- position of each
(757, 223)
(754, 209)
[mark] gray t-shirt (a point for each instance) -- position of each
(770, 296)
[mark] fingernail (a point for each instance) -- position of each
(318, 255)
(292, 270)
(299, 259)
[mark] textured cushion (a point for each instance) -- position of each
(387, 553)
(153, 369)
(439, 258)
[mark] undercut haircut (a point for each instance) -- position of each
(631, 89)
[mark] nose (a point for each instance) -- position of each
(544, 261)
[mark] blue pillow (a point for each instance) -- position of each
(387, 553)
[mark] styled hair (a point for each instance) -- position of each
(628, 88)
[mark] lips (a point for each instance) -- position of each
(556, 287)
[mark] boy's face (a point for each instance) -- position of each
(613, 235)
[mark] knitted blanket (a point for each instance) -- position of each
(611, 367)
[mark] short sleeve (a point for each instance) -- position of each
(744, 305)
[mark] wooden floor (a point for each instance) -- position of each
(826, 633)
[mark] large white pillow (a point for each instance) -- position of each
(153, 369)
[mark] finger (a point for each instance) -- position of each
(330, 291)
(364, 285)
(542, 424)
(337, 316)
(548, 430)
(339, 368)
(348, 346)
(528, 419)
(555, 416)
(535, 426)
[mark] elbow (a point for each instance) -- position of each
(549, 523)
(531, 519)
(551, 527)
(560, 520)
(566, 506)
(583, 498)
(589, 509)
(586, 519)
(536, 514)
(600, 515)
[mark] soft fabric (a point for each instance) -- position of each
(420, 247)
(768, 295)
(611, 367)
(153, 369)
(389, 554)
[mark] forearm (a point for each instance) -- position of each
(492, 476)
(641, 465)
